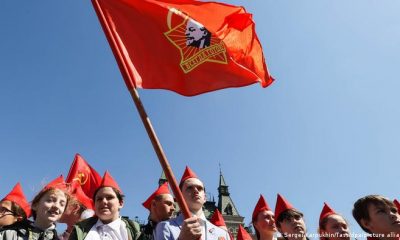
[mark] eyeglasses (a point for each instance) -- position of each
(6, 211)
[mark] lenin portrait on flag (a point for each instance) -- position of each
(197, 35)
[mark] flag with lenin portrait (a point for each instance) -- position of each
(186, 46)
(189, 47)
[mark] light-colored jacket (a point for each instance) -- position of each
(26, 231)
(170, 230)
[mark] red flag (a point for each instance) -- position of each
(187, 46)
(83, 174)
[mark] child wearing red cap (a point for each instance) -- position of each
(80, 207)
(242, 234)
(378, 216)
(218, 220)
(107, 222)
(332, 226)
(14, 207)
(47, 208)
(289, 220)
(263, 220)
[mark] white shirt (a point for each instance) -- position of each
(115, 230)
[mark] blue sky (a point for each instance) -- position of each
(326, 130)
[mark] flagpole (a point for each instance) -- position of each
(128, 76)
(160, 154)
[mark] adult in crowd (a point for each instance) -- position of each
(161, 206)
(194, 227)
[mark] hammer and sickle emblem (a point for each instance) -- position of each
(81, 178)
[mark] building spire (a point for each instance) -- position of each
(225, 203)
(222, 182)
(162, 179)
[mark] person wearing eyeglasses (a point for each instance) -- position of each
(14, 207)
(289, 220)
(47, 208)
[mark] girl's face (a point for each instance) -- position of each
(265, 222)
(337, 228)
(50, 207)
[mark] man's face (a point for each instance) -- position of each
(107, 205)
(162, 208)
(193, 193)
(7, 217)
(337, 227)
(265, 222)
(382, 219)
(293, 227)
(194, 32)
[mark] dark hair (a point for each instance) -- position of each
(323, 222)
(253, 221)
(289, 213)
(119, 194)
(257, 232)
(37, 198)
(207, 37)
(181, 185)
(322, 226)
(360, 210)
(18, 211)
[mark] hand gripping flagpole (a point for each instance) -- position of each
(128, 77)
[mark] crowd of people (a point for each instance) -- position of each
(97, 216)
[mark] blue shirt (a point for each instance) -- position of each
(170, 230)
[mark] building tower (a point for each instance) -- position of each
(227, 207)
(162, 179)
